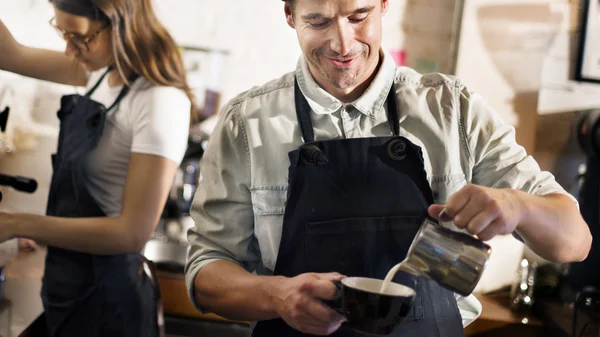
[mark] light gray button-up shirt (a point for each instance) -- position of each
(239, 205)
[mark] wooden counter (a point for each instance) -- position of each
(497, 319)
(176, 301)
(22, 303)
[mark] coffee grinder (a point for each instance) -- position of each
(587, 273)
(582, 280)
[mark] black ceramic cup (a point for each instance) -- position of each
(368, 310)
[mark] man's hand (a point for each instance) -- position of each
(483, 211)
(300, 303)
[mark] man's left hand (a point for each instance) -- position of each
(482, 211)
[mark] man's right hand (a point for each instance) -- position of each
(300, 303)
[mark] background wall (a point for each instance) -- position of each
(521, 55)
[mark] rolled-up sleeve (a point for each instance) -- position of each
(222, 209)
(497, 160)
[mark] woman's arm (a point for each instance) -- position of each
(149, 180)
(43, 64)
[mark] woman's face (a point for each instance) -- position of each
(88, 41)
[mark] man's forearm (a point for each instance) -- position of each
(228, 290)
(553, 228)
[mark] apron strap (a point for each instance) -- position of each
(303, 114)
(91, 91)
(392, 111)
(150, 271)
(123, 92)
(306, 127)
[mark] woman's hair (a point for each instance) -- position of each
(141, 44)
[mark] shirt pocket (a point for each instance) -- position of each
(268, 204)
(269, 200)
(444, 186)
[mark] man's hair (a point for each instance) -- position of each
(290, 2)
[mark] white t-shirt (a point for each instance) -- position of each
(150, 119)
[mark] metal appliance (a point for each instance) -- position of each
(18, 183)
(587, 273)
(9, 250)
(582, 279)
(22, 184)
(167, 248)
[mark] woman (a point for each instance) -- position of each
(118, 151)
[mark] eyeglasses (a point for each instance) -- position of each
(79, 41)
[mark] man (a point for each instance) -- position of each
(328, 172)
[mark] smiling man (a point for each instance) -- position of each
(329, 171)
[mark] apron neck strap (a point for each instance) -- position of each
(91, 91)
(303, 113)
(393, 111)
(123, 92)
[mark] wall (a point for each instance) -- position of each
(509, 52)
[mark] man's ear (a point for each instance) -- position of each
(289, 15)
(384, 7)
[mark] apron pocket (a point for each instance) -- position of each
(364, 247)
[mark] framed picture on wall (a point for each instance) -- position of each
(588, 69)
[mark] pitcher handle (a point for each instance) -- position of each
(150, 270)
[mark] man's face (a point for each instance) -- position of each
(340, 40)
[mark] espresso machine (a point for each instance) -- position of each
(167, 248)
(587, 273)
(582, 279)
(18, 183)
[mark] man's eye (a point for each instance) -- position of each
(358, 19)
(319, 24)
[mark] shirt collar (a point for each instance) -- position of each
(369, 103)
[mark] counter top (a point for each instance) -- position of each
(22, 303)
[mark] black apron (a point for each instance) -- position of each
(354, 207)
(84, 294)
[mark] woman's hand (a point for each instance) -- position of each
(27, 245)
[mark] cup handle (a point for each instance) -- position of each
(336, 304)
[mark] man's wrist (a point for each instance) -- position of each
(273, 288)
(524, 205)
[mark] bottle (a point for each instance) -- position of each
(521, 294)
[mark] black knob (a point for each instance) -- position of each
(4, 119)
(397, 149)
(312, 155)
(19, 183)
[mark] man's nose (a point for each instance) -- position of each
(342, 38)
